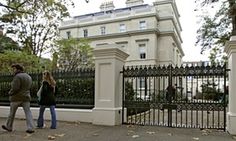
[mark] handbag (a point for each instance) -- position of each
(39, 92)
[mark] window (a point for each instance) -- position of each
(85, 32)
(122, 44)
(122, 28)
(103, 30)
(142, 25)
(142, 83)
(68, 34)
(174, 55)
(142, 51)
(101, 44)
(177, 56)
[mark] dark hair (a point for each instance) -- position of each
(18, 67)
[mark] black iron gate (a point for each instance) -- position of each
(186, 96)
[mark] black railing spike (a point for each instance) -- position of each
(163, 66)
(169, 66)
(176, 66)
(192, 64)
(132, 67)
(186, 67)
(154, 67)
(150, 67)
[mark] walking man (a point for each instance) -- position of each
(19, 95)
(170, 93)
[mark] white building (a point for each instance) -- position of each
(150, 34)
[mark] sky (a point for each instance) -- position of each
(187, 19)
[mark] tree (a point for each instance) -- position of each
(54, 60)
(15, 5)
(129, 92)
(210, 92)
(7, 43)
(34, 23)
(216, 30)
(74, 54)
(30, 62)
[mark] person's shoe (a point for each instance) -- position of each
(41, 127)
(5, 128)
(29, 131)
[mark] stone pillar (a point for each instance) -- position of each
(109, 61)
(230, 49)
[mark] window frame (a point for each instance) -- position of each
(85, 32)
(68, 34)
(142, 83)
(103, 30)
(122, 28)
(142, 50)
(142, 25)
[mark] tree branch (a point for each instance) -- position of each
(14, 8)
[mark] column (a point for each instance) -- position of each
(109, 61)
(230, 49)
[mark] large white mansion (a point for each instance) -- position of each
(150, 34)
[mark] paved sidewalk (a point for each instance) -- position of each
(68, 131)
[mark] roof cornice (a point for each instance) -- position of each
(113, 20)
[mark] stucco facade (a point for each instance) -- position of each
(150, 34)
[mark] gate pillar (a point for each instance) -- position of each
(109, 61)
(230, 49)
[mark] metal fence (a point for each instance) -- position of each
(186, 96)
(75, 89)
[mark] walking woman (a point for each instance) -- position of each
(47, 99)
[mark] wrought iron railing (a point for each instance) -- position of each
(75, 89)
(186, 96)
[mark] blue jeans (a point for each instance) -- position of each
(53, 116)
